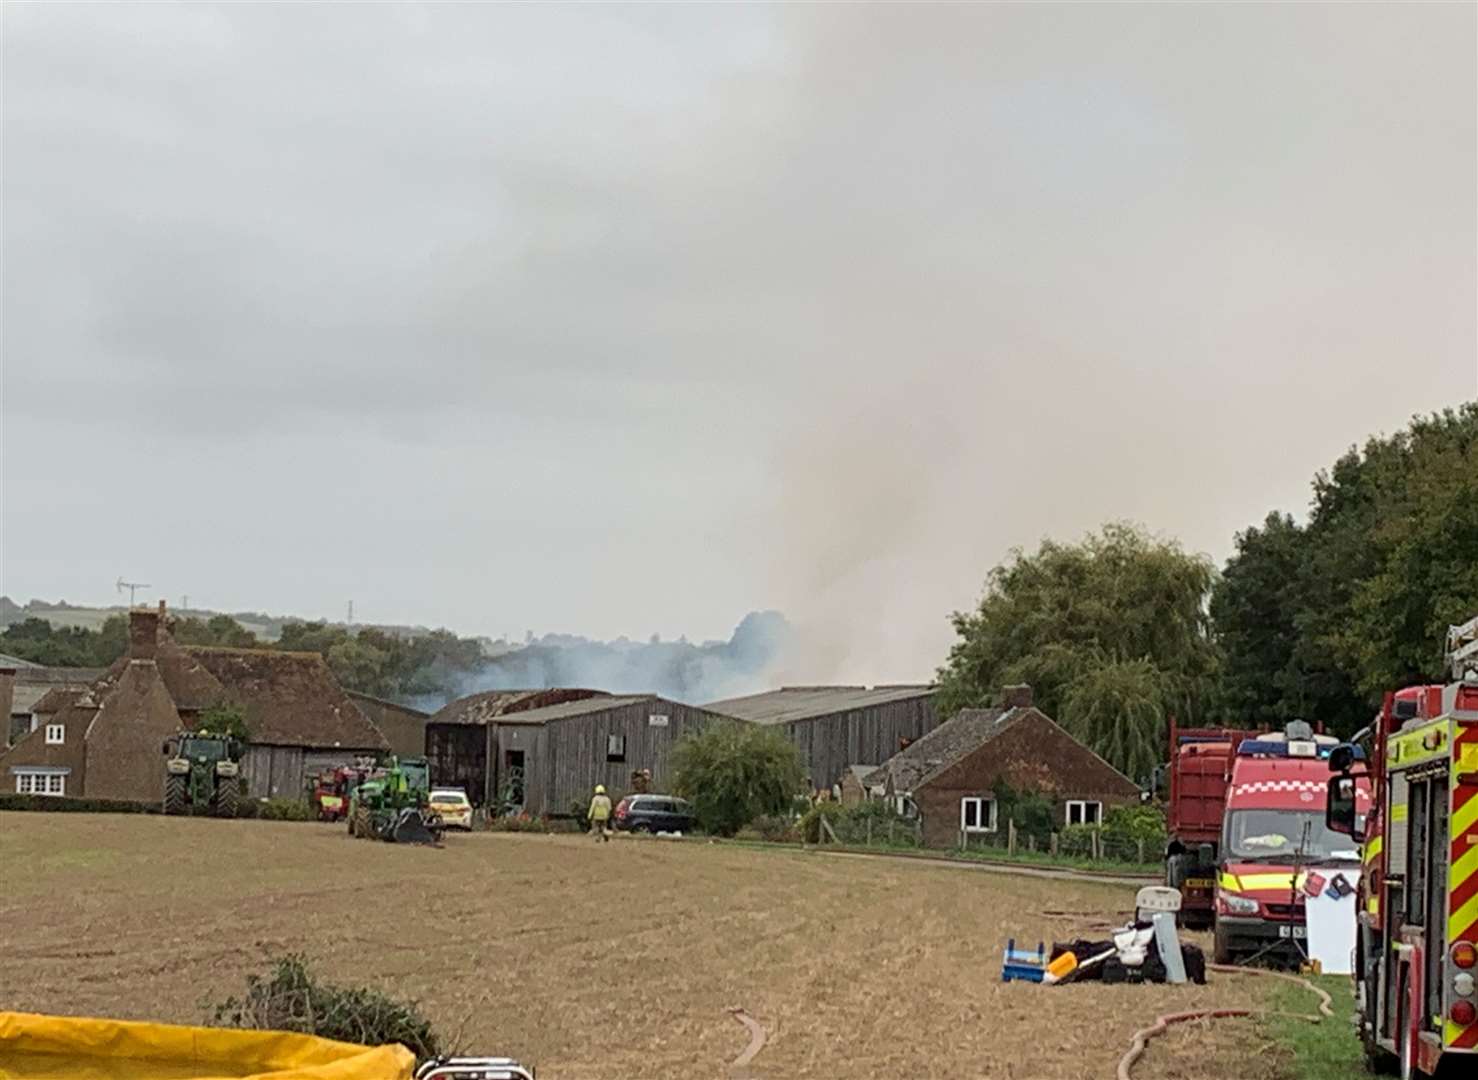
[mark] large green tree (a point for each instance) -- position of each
(1121, 610)
(1316, 620)
(734, 773)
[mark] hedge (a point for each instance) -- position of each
(62, 804)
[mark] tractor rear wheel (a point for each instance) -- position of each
(176, 794)
(363, 825)
(227, 796)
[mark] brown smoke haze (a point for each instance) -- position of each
(614, 320)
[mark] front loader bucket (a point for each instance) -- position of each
(410, 828)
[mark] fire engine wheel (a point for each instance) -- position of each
(227, 796)
(175, 795)
(1221, 947)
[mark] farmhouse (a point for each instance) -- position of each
(545, 750)
(949, 776)
(103, 740)
(839, 726)
(24, 686)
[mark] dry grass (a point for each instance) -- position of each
(618, 960)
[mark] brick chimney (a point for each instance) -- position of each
(7, 699)
(143, 633)
(1016, 697)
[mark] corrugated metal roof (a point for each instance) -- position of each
(572, 708)
(792, 703)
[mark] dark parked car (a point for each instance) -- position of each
(653, 813)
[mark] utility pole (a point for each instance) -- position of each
(350, 621)
(185, 602)
(132, 587)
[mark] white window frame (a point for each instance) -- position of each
(985, 810)
(40, 783)
(615, 748)
(1082, 806)
(56, 734)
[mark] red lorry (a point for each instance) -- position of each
(1246, 824)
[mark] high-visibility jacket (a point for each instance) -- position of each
(600, 808)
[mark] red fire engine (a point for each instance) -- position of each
(1417, 949)
(1246, 819)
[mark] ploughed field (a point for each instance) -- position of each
(618, 960)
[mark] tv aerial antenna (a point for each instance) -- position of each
(133, 587)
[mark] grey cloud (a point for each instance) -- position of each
(608, 319)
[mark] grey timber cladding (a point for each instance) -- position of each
(566, 748)
(840, 726)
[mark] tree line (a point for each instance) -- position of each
(1310, 620)
(368, 660)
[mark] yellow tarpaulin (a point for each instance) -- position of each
(36, 1047)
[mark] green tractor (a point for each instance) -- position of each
(202, 773)
(390, 804)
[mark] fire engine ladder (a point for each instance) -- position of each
(1462, 650)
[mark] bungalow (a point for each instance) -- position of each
(949, 776)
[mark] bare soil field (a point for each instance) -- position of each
(618, 961)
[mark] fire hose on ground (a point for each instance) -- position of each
(1163, 1023)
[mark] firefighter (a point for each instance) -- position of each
(599, 814)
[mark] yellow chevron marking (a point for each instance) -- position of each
(1462, 918)
(1374, 845)
(1465, 818)
(1398, 812)
(1230, 883)
(1464, 868)
(1450, 1032)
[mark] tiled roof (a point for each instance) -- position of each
(291, 698)
(937, 750)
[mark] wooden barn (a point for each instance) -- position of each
(840, 726)
(545, 750)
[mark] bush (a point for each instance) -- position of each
(281, 810)
(578, 809)
(733, 773)
(810, 824)
(292, 999)
(776, 828)
(1032, 811)
(1142, 822)
(61, 804)
(522, 823)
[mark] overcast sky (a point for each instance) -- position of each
(631, 319)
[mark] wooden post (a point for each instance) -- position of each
(869, 830)
(827, 830)
(1097, 845)
(890, 831)
(1031, 842)
(1053, 844)
(1011, 836)
(1140, 845)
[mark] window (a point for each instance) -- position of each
(615, 747)
(56, 734)
(978, 814)
(1081, 812)
(904, 807)
(38, 783)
